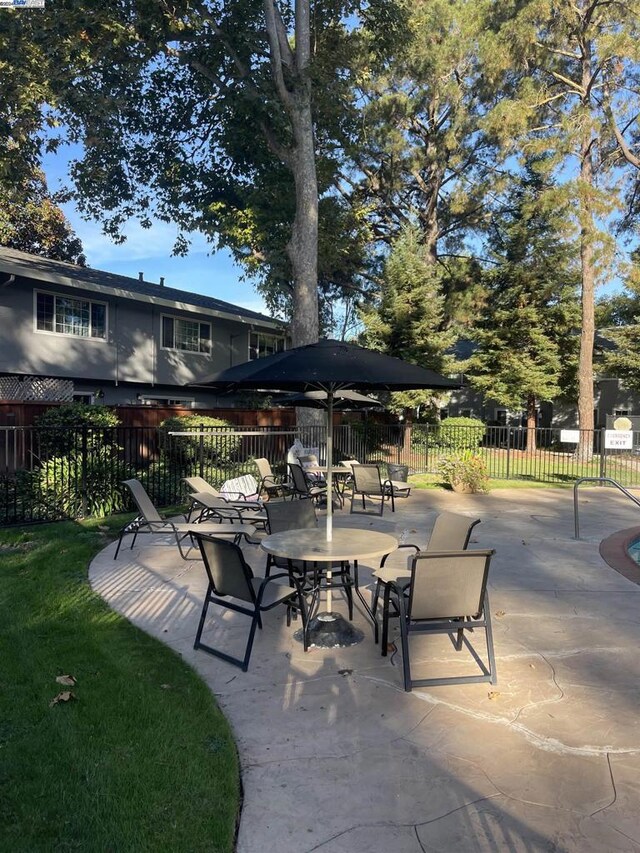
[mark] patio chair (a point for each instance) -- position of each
(367, 483)
(206, 506)
(200, 485)
(232, 581)
(447, 593)
(302, 487)
(270, 484)
(300, 515)
(450, 532)
(149, 520)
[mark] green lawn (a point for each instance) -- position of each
(142, 759)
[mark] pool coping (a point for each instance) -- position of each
(613, 551)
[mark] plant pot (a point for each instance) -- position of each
(463, 488)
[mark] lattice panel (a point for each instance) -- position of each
(42, 388)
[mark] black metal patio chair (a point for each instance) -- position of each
(233, 585)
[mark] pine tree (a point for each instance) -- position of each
(525, 340)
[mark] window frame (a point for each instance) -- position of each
(272, 335)
(173, 318)
(88, 300)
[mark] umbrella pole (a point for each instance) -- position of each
(329, 486)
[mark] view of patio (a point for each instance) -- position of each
(336, 756)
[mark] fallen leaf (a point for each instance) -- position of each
(67, 680)
(65, 696)
(523, 542)
(500, 613)
(345, 671)
(532, 665)
(493, 694)
(166, 686)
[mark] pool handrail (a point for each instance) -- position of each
(595, 480)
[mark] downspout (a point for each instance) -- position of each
(9, 281)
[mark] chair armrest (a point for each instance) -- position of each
(295, 588)
(406, 545)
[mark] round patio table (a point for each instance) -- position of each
(348, 544)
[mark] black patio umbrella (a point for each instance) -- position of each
(330, 366)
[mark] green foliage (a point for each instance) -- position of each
(526, 346)
(31, 222)
(208, 449)
(460, 433)
(465, 469)
(58, 485)
(59, 428)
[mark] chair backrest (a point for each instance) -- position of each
(264, 468)
(300, 482)
(448, 584)
(226, 568)
(451, 532)
(366, 479)
(199, 484)
(290, 515)
(144, 503)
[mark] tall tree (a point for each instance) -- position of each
(525, 336)
(206, 113)
(576, 96)
(407, 321)
(422, 156)
(31, 222)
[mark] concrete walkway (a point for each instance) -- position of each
(336, 757)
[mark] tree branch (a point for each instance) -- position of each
(271, 15)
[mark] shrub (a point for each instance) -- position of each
(185, 449)
(58, 484)
(58, 432)
(466, 470)
(460, 433)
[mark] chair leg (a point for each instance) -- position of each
(375, 597)
(115, 556)
(385, 619)
(489, 638)
(404, 640)
(203, 616)
(252, 633)
(305, 620)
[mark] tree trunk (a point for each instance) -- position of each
(532, 424)
(584, 449)
(303, 245)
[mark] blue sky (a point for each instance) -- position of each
(149, 251)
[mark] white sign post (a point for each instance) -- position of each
(618, 439)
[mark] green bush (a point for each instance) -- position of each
(186, 449)
(459, 433)
(57, 430)
(465, 469)
(58, 484)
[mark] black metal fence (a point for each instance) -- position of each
(51, 473)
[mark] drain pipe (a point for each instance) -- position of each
(9, 281)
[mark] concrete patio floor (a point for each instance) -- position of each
(336, 757)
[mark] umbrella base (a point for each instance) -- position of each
(330, 631)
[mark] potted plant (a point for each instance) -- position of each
(465, 472)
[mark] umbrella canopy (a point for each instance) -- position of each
(320, 400)
(327, 365)
(330, 366)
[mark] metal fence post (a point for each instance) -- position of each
(603, 453)
(83, 482)
(201, 450)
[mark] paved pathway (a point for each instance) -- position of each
(336, 757)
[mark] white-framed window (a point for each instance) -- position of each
(71, 316)
(620, 413)
(466, 413)
(262, 343)
(151, 400)
(186, 335)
